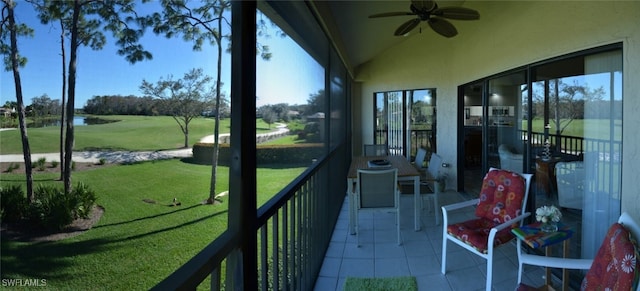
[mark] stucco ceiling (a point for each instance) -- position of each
(363, 37)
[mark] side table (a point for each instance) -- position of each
(545, 174)
(532, 236)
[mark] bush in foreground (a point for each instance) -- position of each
(51, 208)
(13, 203)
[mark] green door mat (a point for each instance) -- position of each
(371, 284)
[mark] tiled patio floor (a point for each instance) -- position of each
(419, 255)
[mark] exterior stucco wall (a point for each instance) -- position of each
(509, 35)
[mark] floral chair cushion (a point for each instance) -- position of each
(501, 196)
(616, 264)
(475, 233)
(500, 201)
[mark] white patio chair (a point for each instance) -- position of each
(377, 190)
(429, 178)
(613, 267)
(375, 150)
(501, 206)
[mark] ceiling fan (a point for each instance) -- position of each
(430, 12)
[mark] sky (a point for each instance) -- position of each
(104, 72)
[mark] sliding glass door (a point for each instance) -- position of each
(560, 120)
(405, 120)
(577, 138)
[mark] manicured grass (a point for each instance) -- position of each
(595, 128)
(289, 139)
(135, 133)
(135, 244)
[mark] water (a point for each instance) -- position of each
(77, 121)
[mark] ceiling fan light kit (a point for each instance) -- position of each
(434, 16)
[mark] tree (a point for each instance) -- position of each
(316, 103)
(9, 31)
(86, 21)
(566, 101)
(269, 116)
(204, 24)
(44, 106)
(184, 98)
(47, 14)
(199, 24)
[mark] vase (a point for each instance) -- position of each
(549, 227)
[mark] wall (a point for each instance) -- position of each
(509, 35)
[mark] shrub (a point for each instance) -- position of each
(73, 165)
(54, 164)
(102, 161)
(54, 209)
(40, 164)
(50, 208)
(13, 166)
(13, 203)
(83, 200)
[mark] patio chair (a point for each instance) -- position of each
(375, 150)
(501, 206)
(509, 159)
(615, 266)
(428, 179)
(570, 181)
(377, 190)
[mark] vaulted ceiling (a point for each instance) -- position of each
(361, 37)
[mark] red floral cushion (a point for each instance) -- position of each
(616, 264)
(476, 233)
(501, 196)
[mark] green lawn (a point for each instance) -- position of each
(135, 244)
(135, 133)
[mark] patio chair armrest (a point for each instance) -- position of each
(511, 222)
(556, 262)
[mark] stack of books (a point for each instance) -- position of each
(536, 238)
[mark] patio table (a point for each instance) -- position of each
(406, 172)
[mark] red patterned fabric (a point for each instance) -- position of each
(500, 201)
(476, 233)
(501, 196)
(616, 264)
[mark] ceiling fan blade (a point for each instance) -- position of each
(387, 14)
(423, 5)
(407, 26)
(457, 13)
(442, 27)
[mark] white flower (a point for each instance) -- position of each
(545, 214)
(628, 263)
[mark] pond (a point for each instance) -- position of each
(77, 121)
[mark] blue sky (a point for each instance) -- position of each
(104, 72)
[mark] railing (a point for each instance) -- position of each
(608, 157)
(423, 138)
(564, 144)
(294, 231)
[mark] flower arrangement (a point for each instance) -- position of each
(546, 214)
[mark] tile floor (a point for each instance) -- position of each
(419, 255)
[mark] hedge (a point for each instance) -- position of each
(265, 154)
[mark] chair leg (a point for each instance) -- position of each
(436, 207)
(397, 204)
(357, 228)
(398, 225)
(519, 248)
(489, 272)
(443, 267)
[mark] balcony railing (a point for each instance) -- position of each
(294, 229)
(423, 138)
